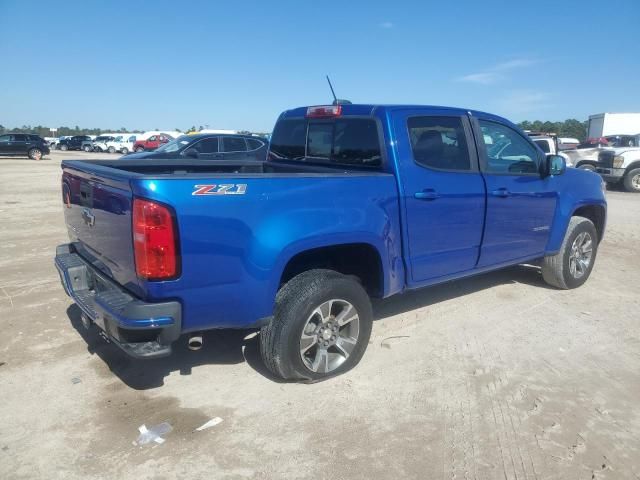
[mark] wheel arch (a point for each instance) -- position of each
(596, 213)
(361, 259)
(633, 166)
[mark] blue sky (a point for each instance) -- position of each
(238, 64)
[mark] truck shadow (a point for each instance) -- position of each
(229, 347)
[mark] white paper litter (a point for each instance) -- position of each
(153, 434)
(211, 423)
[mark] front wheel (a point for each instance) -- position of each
(139, 149)
(572, 265)
(320, 328)
(112, 150)
(587, 166)
(35, 154)
(87, 148)
(64, 148)
(632, 181)
(124, 151)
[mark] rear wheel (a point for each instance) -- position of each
(87, 148)
(572, 265)
(64, 148)
(321, 327)
(139, 149)
(632, 181)
(35, 154)
(124, 150)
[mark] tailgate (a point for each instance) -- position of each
(98, 217)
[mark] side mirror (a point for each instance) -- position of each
(191, 153)
(555, 165)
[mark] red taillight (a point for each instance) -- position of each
(154, 241)
(323, 111)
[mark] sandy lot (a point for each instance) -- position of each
(496, 377)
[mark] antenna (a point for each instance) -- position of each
(335, 99)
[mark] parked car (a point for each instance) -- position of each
(353, 202)
(122, 144)
(77, 142)
(549, 145)
(100, 143)
(18, 144)
(151, 143)
(209, 147)
(621, 166)
(585, 157)
(54, 144)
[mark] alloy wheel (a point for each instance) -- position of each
(329, 336)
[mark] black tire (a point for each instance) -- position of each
(35, 154)
(556, 269)
(587, 166)
(112, 150)
(86, 148)
(64, 148)
(632, 181)
(139, 149)
(124, 151)
(296, 303)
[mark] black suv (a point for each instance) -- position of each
(18, 144)
(74, 143)
(210, 146)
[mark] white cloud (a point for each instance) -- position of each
(497, 72)
(518, 103)
(483, 78)
(387, 25)
(515, 63)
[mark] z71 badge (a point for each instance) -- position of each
(226, 189)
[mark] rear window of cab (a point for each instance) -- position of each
(342, 141)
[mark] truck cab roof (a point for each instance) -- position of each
(367, 109)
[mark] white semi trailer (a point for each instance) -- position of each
(606, 124)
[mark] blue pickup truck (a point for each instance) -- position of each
(353, 202)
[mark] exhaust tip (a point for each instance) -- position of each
(195, 343)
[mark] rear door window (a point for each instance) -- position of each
(207, 145)
(344, 141)
(253, 144)
(233, 144)
(439, 142)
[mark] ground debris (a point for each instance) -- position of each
(211, 423)
(153, 434)
(384, 343)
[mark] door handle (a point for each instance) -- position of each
(501, 192)
(427, 194)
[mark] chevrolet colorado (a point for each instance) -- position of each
(353, 202)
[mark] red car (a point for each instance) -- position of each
(151, 143)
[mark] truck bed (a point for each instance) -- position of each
(235, 244)
(181, 167)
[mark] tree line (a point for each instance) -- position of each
(569, 128)
(68, 131)
(62, 131)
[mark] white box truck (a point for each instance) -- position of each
(606, 124)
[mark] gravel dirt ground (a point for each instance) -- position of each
(494, 377)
